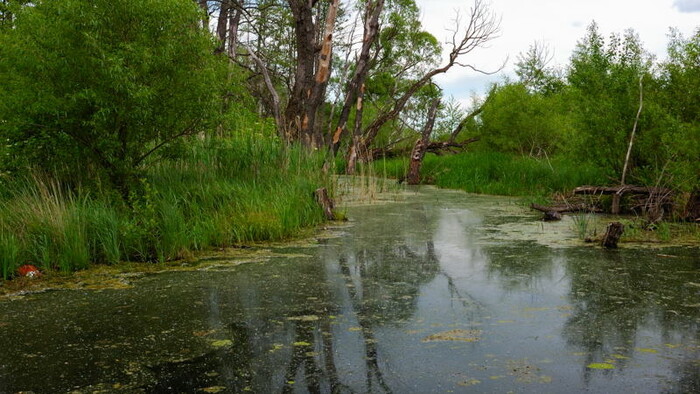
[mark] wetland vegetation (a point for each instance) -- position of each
(150, 148)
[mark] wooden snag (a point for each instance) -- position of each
(612, 235)
(692, 208)
(551, 216)
(325, 201)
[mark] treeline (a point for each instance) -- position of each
(588, 110)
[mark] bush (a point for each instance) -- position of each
(100, 85)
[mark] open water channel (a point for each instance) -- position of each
(437, 292)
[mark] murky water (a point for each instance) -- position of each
(442, 292)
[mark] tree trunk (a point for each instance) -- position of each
(222, 25)
(233, 24)
(205, 18)
(356, 134)
(312, 73)
(276, 110)
(325, 201)
(418, 153)
(613, 234)
(615, 210)
(480, 28)
(372, 12)
(692, 208)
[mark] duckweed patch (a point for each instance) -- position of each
(455, 335)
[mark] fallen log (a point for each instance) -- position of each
(567, 208)
(436, 148)
(612, 235)
(625, 189)
(440, 148)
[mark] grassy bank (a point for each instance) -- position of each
(221, 192)
(498, 173)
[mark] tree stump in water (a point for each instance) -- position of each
(550, 216)
(325, 201)
(613, 234)
(692, 209)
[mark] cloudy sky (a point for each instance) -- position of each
(558, 24)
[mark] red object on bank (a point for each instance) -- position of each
(29, 270)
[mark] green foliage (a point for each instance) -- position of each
(516, 120)
(533, 70)
(588, 118)
(604, 96)
(185, 204)
(499, 173)
(100, 85)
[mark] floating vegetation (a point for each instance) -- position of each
(222, 343)
(304, 318)
(455, 335)
(525, 372)
(469, 382)
(600, 366)
(213, 389)
(646, 350)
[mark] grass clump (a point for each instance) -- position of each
(220, 192)
(500, 173)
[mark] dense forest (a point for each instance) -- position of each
(147, 129)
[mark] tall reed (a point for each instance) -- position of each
(499, 173)
(220, 192)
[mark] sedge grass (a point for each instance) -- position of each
(221, 192)
(500, 174)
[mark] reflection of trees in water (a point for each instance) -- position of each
(293, 304)
(614, 293)
(688, 373)
(230, 365)
(384, 288)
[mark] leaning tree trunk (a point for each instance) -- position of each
(356, 85)
(615, 210)
(356, 134)
(418, 153)
(480, 28)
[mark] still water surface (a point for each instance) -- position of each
(438, 292)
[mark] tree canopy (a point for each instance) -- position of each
(101, 85)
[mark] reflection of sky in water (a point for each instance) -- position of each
(420, 296)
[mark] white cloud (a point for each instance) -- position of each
(687, 5)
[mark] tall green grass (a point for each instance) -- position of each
(220, 192)
(499, 173)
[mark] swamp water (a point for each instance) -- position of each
(439, 291)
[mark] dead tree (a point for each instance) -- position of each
(612, 235)
(616, 197)
(482, 27)
(312, 72)
(421, 146)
